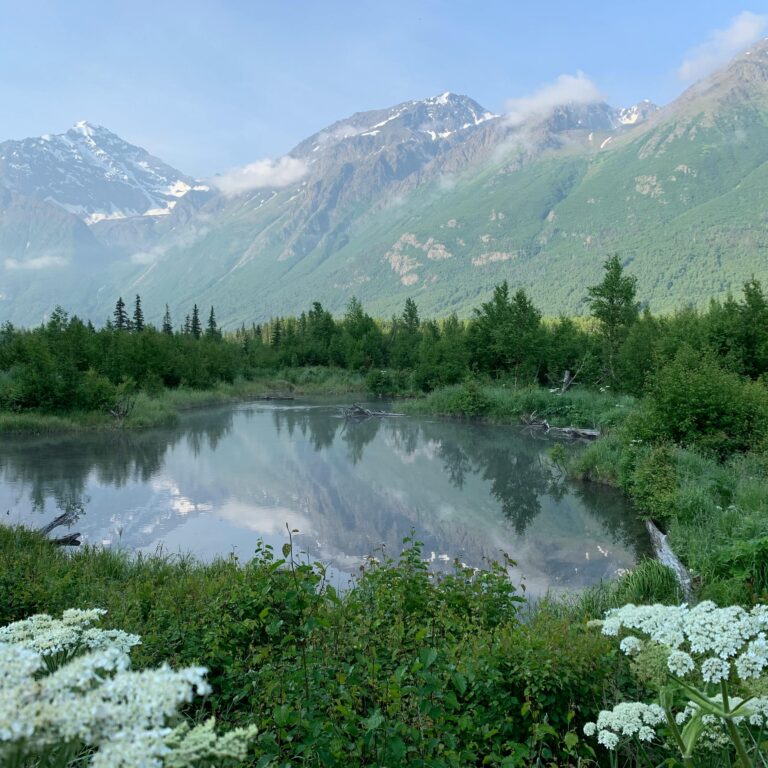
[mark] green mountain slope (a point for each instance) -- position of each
(440, 201)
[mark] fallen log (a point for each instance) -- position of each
(356, 411)
(576, 433)
(70, 540)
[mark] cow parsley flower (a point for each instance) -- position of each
(65, 681)
(626, 719)
(631, 645)
(714, 670)
(680, 663)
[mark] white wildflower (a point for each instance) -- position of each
(90, 695)
(680, 663)
(631, 645)
(590, 729)
(754, 660)
(607, 739)
(714, 670)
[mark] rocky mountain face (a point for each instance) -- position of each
(437, 199)
(93, 173)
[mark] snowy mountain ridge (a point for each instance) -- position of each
(92, 173)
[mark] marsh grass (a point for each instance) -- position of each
(162, 408)
(500, 402)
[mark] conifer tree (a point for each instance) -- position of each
(212, 331)
(195, 327)
(187, 326)
(138, 316)
(122, 323)
(167, 324)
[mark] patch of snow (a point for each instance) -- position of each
(370, 133)
(94, 217)
(178, 188)
(605, 142)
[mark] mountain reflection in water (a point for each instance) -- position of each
(225, 477)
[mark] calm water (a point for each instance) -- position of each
(226, 477)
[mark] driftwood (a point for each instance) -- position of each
(275, 397)
(356, 411)
(67, 518)
(575, 433)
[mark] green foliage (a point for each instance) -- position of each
(694, 402)
(405, 668)
(612, 303)
(649, 582)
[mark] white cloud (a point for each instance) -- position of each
(343, 131)
(722, 45)
(41, 262)
(263, 173)
(185, 240)
(566, 89)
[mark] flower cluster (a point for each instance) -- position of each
(626, 719)
(721, 638)
(704, 646)
(65, 682)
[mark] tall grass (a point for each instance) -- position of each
(502, 403)
(162, 408)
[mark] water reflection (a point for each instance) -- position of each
(227, 476)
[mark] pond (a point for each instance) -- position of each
(226, 477)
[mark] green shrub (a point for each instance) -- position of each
(694, 402)
(653, 483)
(405, 668)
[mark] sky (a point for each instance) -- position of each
(210, 86)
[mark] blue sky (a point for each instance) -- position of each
(212, 85)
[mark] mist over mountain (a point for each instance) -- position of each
(438, 199)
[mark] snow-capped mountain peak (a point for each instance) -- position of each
(93, 173)
(432, 119)
(637, 113)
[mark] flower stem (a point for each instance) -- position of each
(687, 759)
(733, 731)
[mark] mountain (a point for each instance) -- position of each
(437, 199)
(91, 172)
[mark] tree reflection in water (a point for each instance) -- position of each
(314, 450)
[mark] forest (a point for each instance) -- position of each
(406, 667)
(68, 365)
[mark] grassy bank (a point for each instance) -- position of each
(715, 513)
(502, 403)
(710, 496)
(403, 668)
(161, 408)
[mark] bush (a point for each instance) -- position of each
(406, 668)
(694, 402)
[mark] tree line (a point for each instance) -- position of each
(68, 364)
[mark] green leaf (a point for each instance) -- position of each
(374, 721)
(460, 682)
(570, 739)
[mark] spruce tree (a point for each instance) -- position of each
(411, 316)
(196, 328)
(122, 323)
(187, 326)
(138, 316)
(212, 331)
(167, 324)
